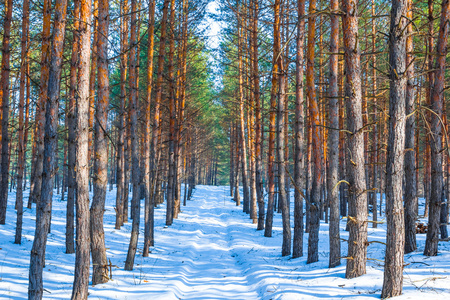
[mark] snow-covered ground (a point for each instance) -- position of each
(212, 251)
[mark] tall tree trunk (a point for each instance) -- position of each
(431, 75)
(92, 77)
(122, 116)
(81, 280)
(135, 200)
(243, 148)
(272, 122)
(72, 129)
(98, 250)
(357, 242)
(281, 132)
(410, 160)
(172, 115)
(258, 119)
(43, 214)
(333, 141)
(156, 132)
(149, 200)
(297, 250)
(35, 192)
(237, 194)
(395, 235)
(437, 94)
(21, 142)
(313, 107)
(376, 128)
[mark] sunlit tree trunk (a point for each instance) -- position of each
(437, 94)
(21, 142)
(156, 132)
(410, 160)
(92, 81)
(122, 116)
(357, 241)
(72, 128)
(100, 180)
(81, 280)
(272, 122)
(395, 235)
(299, 179)
(35, 192)
(376, 127)
(431, 74)
(172, 115)
(313, 107)
(243, 148)
(281, 132)
(333, 141)
(149, 204)
(135, 202)
(43, 214)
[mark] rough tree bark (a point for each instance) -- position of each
(437, 94)
(156, 132)
(410, 160)
(21, 142)
(357, 198)
(297, 249)
(72, 128)
(135, 202)
(282, 195)
(100, 180)
(149, 204)
(43, 214)
(35, 190)
(313, 107)
(172, 115)
(81, 280)
(122, 114)
(272, 122)
(395, 235)
(333, 140)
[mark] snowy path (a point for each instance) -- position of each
(212, 251)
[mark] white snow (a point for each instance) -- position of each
(212, 251)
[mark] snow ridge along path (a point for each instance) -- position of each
(212, 251)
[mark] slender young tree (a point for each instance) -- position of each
(410, 160)
(258, 118)
(129, 263)
(240, 29)
(72, 129)
(313, 107)
(5, 92)
(172, 115)
(282, 165)
(333, 140)
(149, 203)
(21, 143)
(81, 280)
(297, 250)
(121, 139)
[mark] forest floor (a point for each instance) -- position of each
(212, 251)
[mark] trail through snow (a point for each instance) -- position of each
(212, 251)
